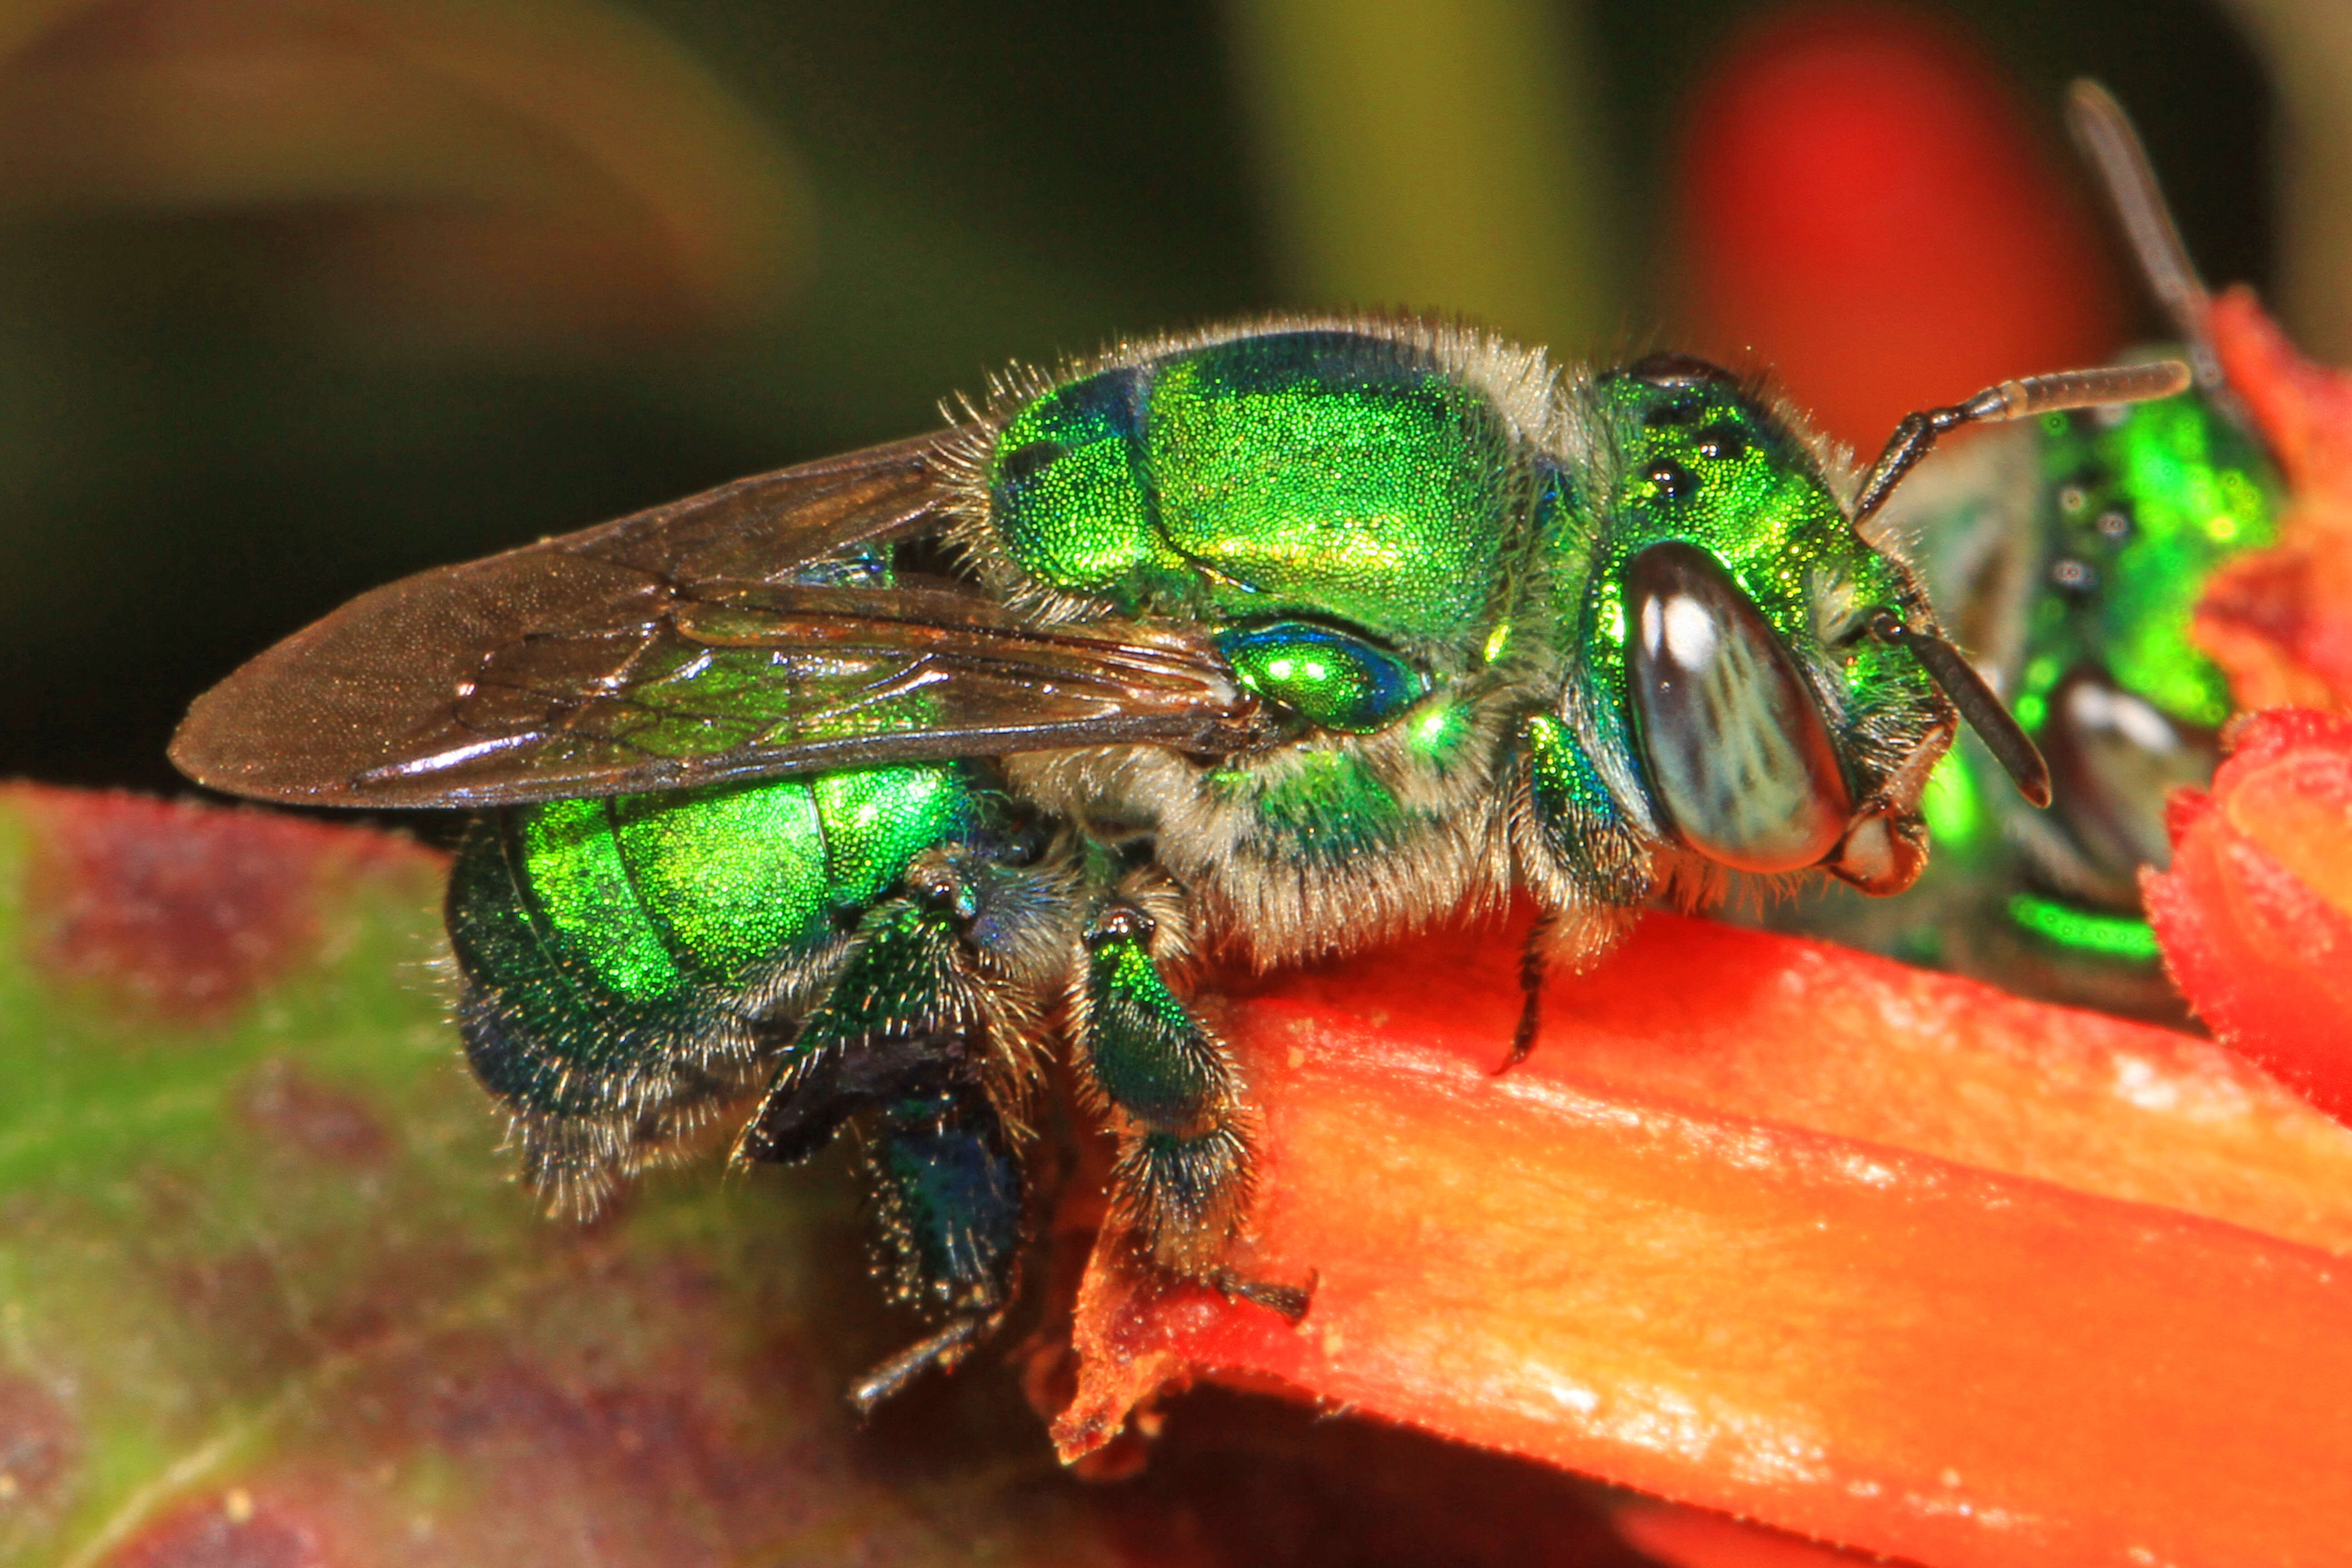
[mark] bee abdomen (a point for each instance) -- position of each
(623, 960)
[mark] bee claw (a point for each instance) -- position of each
(1531, 978)
(1289, 1302)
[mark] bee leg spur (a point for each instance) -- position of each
(1183, 1172)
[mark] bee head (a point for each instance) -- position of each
(1728, 656)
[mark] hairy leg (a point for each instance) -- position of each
(1183, 1176)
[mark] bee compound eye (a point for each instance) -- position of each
(1738, 755)
(2115, 757)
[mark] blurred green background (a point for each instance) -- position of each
(297, 296)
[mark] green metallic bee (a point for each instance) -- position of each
(2070, 553)
(851, 790)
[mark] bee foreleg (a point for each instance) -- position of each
(1182, 1178)
(1587, 864)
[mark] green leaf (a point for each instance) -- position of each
(269, 1294)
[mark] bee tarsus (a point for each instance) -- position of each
(1289, 1302)
(1534, 964)
(943, 1350)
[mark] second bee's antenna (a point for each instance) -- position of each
(2106, 135)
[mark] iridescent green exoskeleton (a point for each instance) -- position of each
(1268, 642)
(2069, 554)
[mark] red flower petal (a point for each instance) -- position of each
(2255, 913)
(2280, 621)
(1692, 1538)
(2304, 410)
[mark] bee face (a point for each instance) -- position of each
(2131, 513)
(2073, 549)
(2076, 548)
(2139, 506)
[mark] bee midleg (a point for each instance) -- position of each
(1183, 1176)
(929, 1032)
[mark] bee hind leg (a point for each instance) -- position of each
(948, 1189)
(913, 1040)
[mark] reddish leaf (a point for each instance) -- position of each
(270, 1297)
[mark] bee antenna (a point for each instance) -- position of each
(1915, 437)
(1994, 724)
(2105, 133)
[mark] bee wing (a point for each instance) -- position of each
(672, 648)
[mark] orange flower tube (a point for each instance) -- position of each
(1876, 1256)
